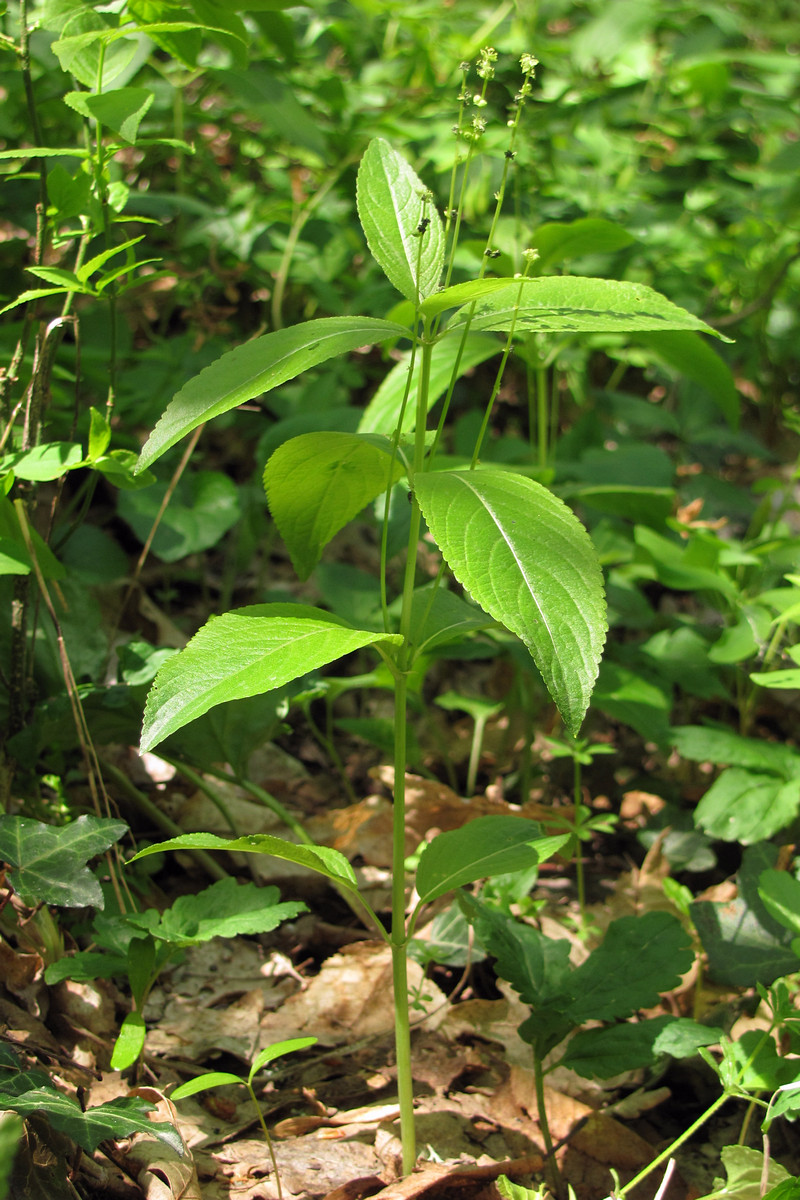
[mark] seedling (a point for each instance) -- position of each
(516, 549)
(213, 1079)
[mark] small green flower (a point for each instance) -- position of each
(528, 64)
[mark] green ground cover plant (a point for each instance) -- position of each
(257, 210)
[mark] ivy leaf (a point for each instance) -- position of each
(527, 560)
(390, 199)
(115, 1119)
(258, 367)
(244, 653)
(49, 862)
(317, 482)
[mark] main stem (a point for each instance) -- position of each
(399, 935)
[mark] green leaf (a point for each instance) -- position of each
(94, 264)
(559, 241)
(270, 1053)
(390, 200)
(321, 859)
(11, 1131)
(86, 965)
(745, 945)
(787, 1189)
(129, 1043)
(121, 110)
(383, 411)
(49, 862)
(527, 560)
(243, 653)
(573, 304)
(676, 566)
(48, 461)
(225, 909)
(602, 1053)
(484, 847)
(204, 1083)
(707, 743)
(99, 434)
(639, 958)
(201, 510)
(742, 806)
(258, 367)
(646, 505)
(696, 360)
(780, 894)
(439, 616)
(317, 482)
(745, 1169)
(790, 678)
(115, 1119)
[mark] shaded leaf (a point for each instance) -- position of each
(602, 1053)
(115, 1119)
(743, 806)
(638, 959)
(224, 909)
(317, 482)
(49, 862)
(322, 859)
(258, 367)
(481, 848)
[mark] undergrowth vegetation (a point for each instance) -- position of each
(406, 397)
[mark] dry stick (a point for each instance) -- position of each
(154, 813)
(93, 772)
(173, 483)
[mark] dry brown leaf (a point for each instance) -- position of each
(350, 998)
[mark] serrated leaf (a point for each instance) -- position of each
(638, 959)
(383, 411)
(745, 1175)
(49, 863)
(225, 909)
(603, 1053)
(121, 109)
(528, 561)
(322, 859)
(389, 196)
(574, 304)
(480, 849)
(536, 966)
(317, 482)
(258, 367)
(115, 1119)
(244, 653)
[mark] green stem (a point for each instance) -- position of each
(399, 941)
(267, 1138)
(541, 416)
(673, 1146)
(541, 1112)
